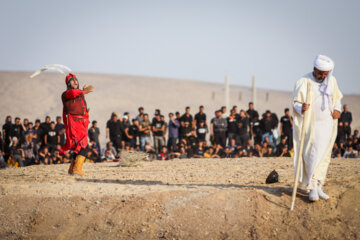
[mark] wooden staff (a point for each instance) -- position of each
(300, 157)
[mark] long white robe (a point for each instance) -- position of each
(320, 129)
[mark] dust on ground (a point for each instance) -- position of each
(177, 199)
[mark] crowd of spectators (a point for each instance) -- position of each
(229, 134)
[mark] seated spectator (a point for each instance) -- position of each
(17, 155)
(232, 144)
(45, 156)
(269, 152)
(29, 150)
(280, 146)
(336, 152)
(285, 151)
(351, 153)
(199, 151)
(249, 147)
(93, 155)
(228, 153)
(210, 153)
(111, 151)
(164, 154)
(56, 158)
(258, 151)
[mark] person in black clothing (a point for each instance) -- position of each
(52, 138)
(6, 129)
(200, 117)
(281, 145)
(232, 123)
(17, 130)
(218, 127)
(266, 126)
(124, 125)
(286, 127)
(340, 133)
(177, 116)
(60, 128)
(242, 132)
(201, 131)
(45, 127)
(114, 131)
(251, 114)
(132, 132)
(346, 118)
(186, 117)
(158, 128)
(256, 130)
(94, 133)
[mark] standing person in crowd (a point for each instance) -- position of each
(25, 124)
(346, 119)
(162, 118)
(114, 131)
(144, 131)
(286, 127)
(235, 108)
(132, 132)
(251, 114)
(232, 123)
(6, 130)
(173, 132)
(52, 138)
(255, 129)
(17, 130)
(60, 128)
(266, 125)
(158, 128)
(45, 127)
(218, 128)
(242, 132)
(140, 116)
(186, 117)
(200, 116)
(320, 127)
(224, 113)
(76, 120)
(125, 123)
(94, 133)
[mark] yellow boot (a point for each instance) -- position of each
(71, 168)
(79, 161)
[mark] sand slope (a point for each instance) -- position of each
(187, 199)
(41, 96)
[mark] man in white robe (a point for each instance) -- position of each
(320, 124)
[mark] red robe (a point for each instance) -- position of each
(76, 124)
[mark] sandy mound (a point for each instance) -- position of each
(178, 199)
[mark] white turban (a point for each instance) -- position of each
(324, 63)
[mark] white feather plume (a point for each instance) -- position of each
(56, 67)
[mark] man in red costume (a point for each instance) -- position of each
(76, 121)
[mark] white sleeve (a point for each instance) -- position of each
(298, 108)
(338, 106)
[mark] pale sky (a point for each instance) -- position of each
(188, 39)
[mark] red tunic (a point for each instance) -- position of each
(76, 120)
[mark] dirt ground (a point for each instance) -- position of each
(177, 199)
